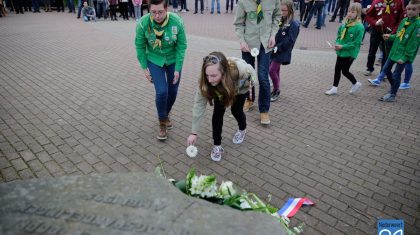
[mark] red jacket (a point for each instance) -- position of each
(391, 20)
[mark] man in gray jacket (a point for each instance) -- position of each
(256, 24)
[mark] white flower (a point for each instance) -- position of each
(275, 49)
(226, 189)
(255, 52)
(192, 151)
(203, 186)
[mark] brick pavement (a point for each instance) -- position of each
(73, 101)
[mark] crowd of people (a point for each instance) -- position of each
(267, 32)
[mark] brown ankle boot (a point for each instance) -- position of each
(162, 130)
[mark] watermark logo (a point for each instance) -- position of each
(390, 227)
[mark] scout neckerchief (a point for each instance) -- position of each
(388, 6)
(348, 24)
(260, 14)
(401, 33)
(158, 30)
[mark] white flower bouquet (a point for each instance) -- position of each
(205, 187)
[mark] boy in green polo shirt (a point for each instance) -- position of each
(404, 49)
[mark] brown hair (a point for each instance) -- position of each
(290, 9)
(414, 2)
(226, 87)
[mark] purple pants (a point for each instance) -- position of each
(275, 75)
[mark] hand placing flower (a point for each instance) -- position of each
(192, 151)
(255, 52)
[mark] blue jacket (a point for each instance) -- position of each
(285, 40)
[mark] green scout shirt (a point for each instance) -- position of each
(406, 49)
(174, 42)
(351, 41)
(246, 74)
(245, 22)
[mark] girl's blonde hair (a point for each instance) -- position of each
(355, 6)
(290, 9)
(226, 88)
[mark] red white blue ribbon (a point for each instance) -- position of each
(293, 205)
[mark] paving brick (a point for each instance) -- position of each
(26, 174)
(9, 174)
(19, 164)
(27, 155)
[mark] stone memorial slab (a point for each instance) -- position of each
(132, 203)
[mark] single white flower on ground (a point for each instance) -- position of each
(255, 52)
(192, 151)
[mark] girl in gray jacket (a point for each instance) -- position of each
(223, 82)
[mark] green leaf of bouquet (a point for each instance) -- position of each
(190, 175)
(181, 185)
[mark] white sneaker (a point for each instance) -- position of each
(355, 87)
(239, 137)
(332, 91)
(183, 10)
(216, 153)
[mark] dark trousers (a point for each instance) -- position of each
(201, 5)
(341, 5)
(101, 10)
(113, 11)
(60, 5)
(227, 5)
(219, 112)
(377, 40)
(304, 11)
(316, 8)
(35, 3)
(396, 75)
(342, 65)
(18, 6)
(124, 10)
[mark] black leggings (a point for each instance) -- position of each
(342, 65)
(227, 5)
(218, 113)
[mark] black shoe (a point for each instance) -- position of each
(332, 20)
(187, 9)
(195, 12)
(274, 95)
(318, 27)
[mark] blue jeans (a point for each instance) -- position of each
(396, 75)
(88, 18)
(166, 91)
(137, 12)
(407, 76)
(70, 5)
(325, 11)
(218, 6)
(264, 83)
(317, 7)
(101, 10)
